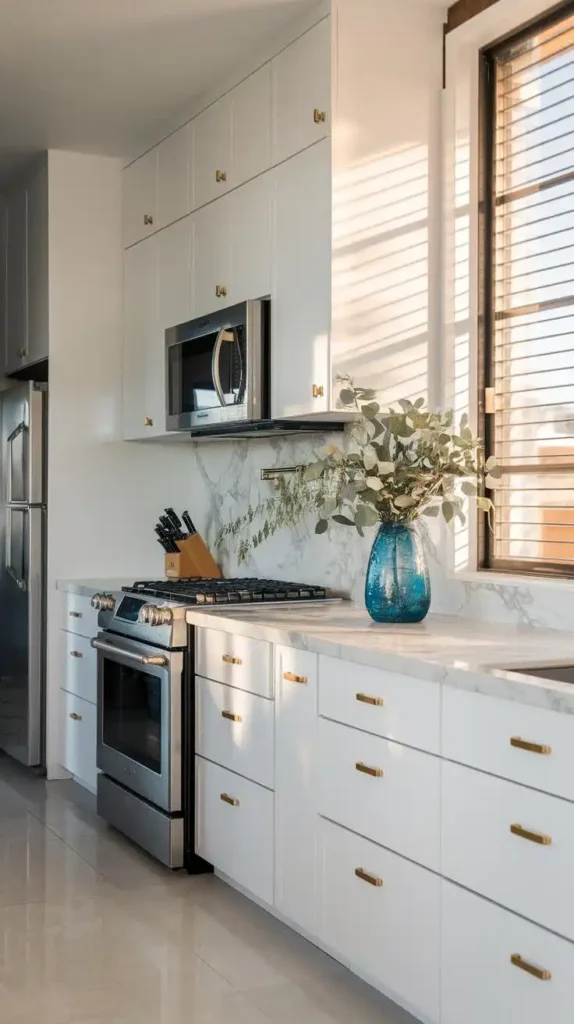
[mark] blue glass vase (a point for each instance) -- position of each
(397, 588)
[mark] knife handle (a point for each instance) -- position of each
(188, 522)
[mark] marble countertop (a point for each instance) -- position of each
(479, 656)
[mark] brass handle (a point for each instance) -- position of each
(377, 773)
(220, 291)
(230, 660)
(75, 615)
(22, 352)
(365, 699)
(533, 837)
(148, 219)
(229, 800)
(318, 391)
(148, 421)
(534, 748)
(75, 717)
(231, 716)
(76, 654)
(366, 877)
(319, 116)
(536, 972)
(221, 176)
(292, 678)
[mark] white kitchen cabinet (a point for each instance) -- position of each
(174, 162)
(301, 292)
(212, 171)
(212, 258)
(296, 819)
(174, 253)
(143, 397)
(140, 196)
(79, 666)
(3, 336)
(237, 660)
(251, 126)
(236, 729)
(37, 267)
(250, 209)
(17, 279)
(78, 616)
(79, 738)
(302, 92)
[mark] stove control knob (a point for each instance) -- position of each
(103, 602)
(153, 615)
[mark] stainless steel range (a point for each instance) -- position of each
(146, 703)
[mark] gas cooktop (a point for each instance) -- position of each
(245, 590)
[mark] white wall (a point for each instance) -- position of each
(104, 494)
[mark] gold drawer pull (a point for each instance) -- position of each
(221, 176)
(229, 800)
(536, 972)
(319, 116)
(220, 291)
(76, 654)
(148, 219)
(318, 391)
(75, 717)
(292, 678)
(366, 877)
(533, 837)
(534, 748)
(231, 716)
(230, 660)
(75, 615)
(365, 699)
(377, 773)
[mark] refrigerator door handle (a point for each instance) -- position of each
(12, 437)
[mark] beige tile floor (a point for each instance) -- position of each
(92, 931)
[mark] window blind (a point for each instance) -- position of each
(529, 355)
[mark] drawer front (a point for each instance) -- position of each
(389, 930)
(79, 616)
(526, 744)
(480, 982)
(235, 729)
(234, 827)
(79, 666)
(381, 789)
(385, 703)
(527, 869)
(78, 724)
(235, 660)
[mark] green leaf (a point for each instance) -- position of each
(370, 410)
(313, 471)
(468, 487)
(495, 472)
(369, 460)
(463, 421)
(419, 403)
(385, 468)
(405, 405)
(347, 397)
(490, 463)
(431, 510)
(484, 504)
(447, 510)
(366, 393)
(366, 516)
(404, 501)
(343, 520)
(321, 526)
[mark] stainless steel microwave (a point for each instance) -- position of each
(217, 369)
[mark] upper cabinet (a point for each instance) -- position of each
(16, 279)
(302, 92)
(174, 180)
(251, 126)
(142, 414)
(212, 152)
(37, 269)
(140, 198)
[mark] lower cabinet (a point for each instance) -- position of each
(498, 968)
(78, 740)
(381, 913)
(234, 827)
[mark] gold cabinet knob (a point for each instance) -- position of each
(148, 421)
(377, 773)
(230, 660)
(292, 678)
(76, 654)
(230, 716)
(536, 972)
(533, 837)
(319, 116)
(75, 717)
(22, 353)
(148, 219)
(318, 391)
(232, 801)
(366, 876)
(220, 291)
(533, 748)
(220, 176)
(364, 698)
(75, 615)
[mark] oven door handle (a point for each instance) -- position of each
(140, 659)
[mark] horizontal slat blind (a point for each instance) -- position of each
(532, 299)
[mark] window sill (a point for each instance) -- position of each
(483, 576)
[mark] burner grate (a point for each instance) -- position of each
(245, 590)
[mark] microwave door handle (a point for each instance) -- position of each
(224, 335)
(140, 659)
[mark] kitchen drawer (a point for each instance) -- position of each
(79, 666)
(483, 732)
(481, 984)
(233, 659)
(235, 728)
(234, 827)
(480, 851)
(78, 725)
(385, 791)
(385, 703)
(78, 615)
(387, 928)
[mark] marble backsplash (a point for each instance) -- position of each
(226, 478)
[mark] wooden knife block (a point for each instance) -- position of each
(193, 559)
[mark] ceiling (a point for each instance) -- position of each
(107, 76)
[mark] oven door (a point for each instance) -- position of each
(139, 718)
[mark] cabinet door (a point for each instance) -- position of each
(142, 336)
(212, 261)
(139, 198)
(78, 739)
(250, 225)
(296, 821)
(251, 126)
(212, 172)
(301, 293)
(301, 92)
(16, 280)
(38, 267)
(3, 233)
(174, 266)
(173, 176)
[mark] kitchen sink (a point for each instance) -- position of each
(558, 673)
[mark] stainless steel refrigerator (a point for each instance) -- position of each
(23, 419)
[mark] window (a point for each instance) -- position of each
(526, 332)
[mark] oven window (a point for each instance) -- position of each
(132, 713)
(192, 387)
